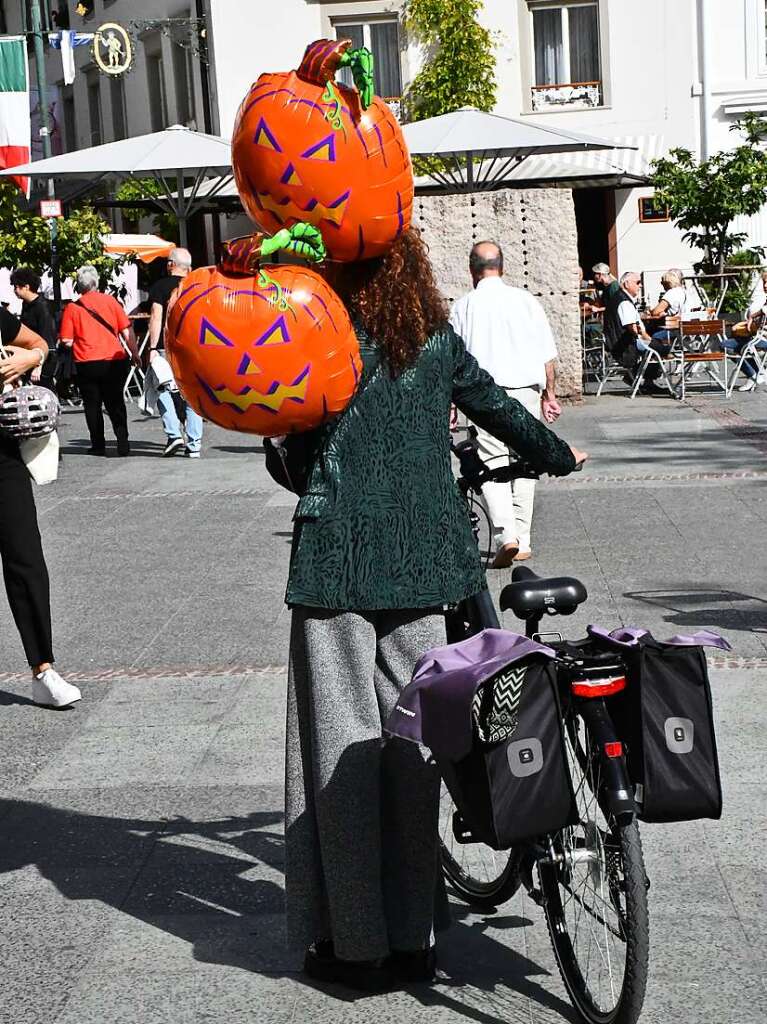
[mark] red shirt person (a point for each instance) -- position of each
(98, 329)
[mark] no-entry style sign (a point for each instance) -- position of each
(50, 208)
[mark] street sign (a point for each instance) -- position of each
(50, 208)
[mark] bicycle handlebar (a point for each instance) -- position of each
(475, 473)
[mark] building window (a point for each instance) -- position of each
(566, 57)
(94, 109)
(119, 115)
(158, 100)
(70, 125)
(382, 39)
(182, 80)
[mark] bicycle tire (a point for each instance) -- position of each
(617, 853)
(480, 876)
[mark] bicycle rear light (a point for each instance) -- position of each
(603, 687)
(614, 749)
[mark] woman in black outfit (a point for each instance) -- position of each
(36, 315)
(24, 569)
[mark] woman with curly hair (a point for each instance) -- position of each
(382, 543)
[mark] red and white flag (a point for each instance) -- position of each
(15, 123)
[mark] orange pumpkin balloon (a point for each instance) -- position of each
(268, 353)
(303, 150)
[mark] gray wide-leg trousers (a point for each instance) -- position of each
(361, 814)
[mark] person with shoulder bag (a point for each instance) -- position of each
(98, 330)
(24, 570)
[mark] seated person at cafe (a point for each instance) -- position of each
(625, 334)
(743, 334)
(673, 302)
(757, 307)
(606, 284)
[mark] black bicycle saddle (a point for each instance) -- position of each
(529, 595)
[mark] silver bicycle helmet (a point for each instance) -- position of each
(28, 411)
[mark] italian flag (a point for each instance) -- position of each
(15, 124)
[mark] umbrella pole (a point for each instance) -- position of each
(181, 211)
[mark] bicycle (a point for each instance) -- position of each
(592, 883)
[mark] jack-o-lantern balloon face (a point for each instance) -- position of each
(304, 150)
(269, 353)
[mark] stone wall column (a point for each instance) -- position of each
(536, 229)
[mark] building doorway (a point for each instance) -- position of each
(595, 222)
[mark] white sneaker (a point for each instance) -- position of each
(761, 378)
(193, 454)
(749, 385)
(51, 691)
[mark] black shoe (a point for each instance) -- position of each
(123, 450)
(321, 964)
(417, 965)
(174, 445)
(649, 387)
(95, 450)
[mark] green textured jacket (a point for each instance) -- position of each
(382, 524)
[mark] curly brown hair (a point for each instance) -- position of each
(394, 298)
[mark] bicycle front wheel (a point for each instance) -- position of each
(595, 900)
(482, 877)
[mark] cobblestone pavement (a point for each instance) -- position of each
(141, 843)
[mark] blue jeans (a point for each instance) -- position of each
(172, 425)
(737, 345)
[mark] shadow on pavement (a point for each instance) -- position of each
(717, 608)
(7, 699)
(138, 448)
(239, 449)
(188, 879)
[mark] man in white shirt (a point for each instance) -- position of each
(507, 332)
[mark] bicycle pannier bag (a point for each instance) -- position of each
(665, 719)
(514, 783)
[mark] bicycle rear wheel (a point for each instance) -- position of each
(595, 900)
(481, 876)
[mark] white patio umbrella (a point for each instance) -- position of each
(171, 157)
(482, 150)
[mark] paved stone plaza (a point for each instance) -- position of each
(141, 844)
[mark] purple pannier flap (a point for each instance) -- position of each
(629, 637)
(435, 707)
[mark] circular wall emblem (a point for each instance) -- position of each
(112, 49)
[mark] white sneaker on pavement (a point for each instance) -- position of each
(749, 385)
(761, 378)
(51, 691)
(192, 453)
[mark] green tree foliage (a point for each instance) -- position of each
(25, 238)
(132, 189)
(460, 69)
(704, 197)
(741, 283)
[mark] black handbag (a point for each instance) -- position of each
(515, 783)
(665, 719)
(289, 460)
